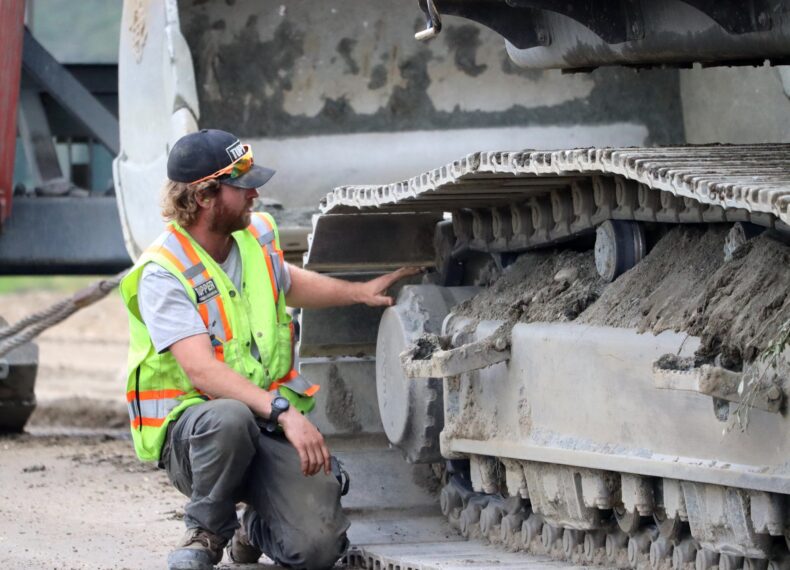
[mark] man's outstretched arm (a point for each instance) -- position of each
(312, 290)
(214, 378)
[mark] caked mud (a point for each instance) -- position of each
(736, 307)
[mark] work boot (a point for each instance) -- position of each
(241, 550)
(198, 550)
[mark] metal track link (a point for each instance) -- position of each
(610, 540)
(514, 201)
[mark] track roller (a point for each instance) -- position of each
(531, 529)
(510, 528)
(638, 546)
(660, 550)
(619, 245)
(684, 552)
(706, 559)
(730, 562)
(453, 496)
(470, 517)
(549, 536)
(615, 541)
(594, 540)
(570, 540)
(491, 518)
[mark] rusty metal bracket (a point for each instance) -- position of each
(446, 363)
(718, 383)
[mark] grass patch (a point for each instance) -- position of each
(61, 283)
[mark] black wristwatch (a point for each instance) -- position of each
(279, 405)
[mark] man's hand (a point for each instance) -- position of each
(307, 440)
(374, 292)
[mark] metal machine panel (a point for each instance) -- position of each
(63, 235)
(584, 395)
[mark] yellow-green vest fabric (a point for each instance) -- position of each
(158, 390)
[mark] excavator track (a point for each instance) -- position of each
(567, 499)
(515, 201)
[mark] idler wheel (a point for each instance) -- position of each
(619, 245)
(412, 411)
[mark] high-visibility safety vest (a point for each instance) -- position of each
(157, 388)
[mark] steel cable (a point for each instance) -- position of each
(33, 325)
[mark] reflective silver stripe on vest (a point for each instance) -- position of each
(277, 266)
(298, 384)
(152, 408)
(266, 238)
(194, 271)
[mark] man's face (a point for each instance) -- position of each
(232, 209)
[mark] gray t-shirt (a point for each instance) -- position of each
(167, 310)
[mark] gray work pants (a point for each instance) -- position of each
(216, 455)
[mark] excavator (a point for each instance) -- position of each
(593, 366)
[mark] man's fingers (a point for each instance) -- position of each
(315, 459)
(303, 458)
(327, 459)
(401, 273)
(382, 301)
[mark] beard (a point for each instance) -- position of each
(225, 220)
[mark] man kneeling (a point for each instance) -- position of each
(213, 396)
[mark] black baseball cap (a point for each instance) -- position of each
(199, 155)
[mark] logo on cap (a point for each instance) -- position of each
(235, 151)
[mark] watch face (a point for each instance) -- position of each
(280, 403)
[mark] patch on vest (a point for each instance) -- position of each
(206, 291)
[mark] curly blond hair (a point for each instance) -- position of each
(180, 200)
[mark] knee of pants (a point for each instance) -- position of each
(311, 553)
(229, 421)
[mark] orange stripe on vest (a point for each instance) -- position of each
(131, 395)
(147, 422)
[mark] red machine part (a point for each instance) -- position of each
(12, 19)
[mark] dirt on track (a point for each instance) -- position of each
(684, 284)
